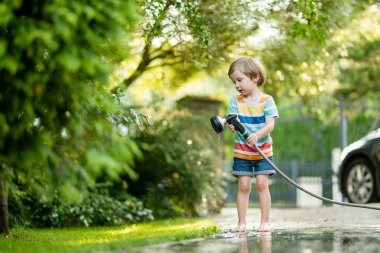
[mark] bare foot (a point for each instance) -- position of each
(264, 229)
(239, 228)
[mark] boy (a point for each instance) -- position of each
(257, 112)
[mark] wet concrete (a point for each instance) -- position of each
(284, 242)
(326, 229)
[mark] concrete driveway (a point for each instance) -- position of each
(328, 218)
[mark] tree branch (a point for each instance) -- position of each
(165, 64)
(146, 58)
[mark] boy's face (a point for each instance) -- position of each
(243, 84)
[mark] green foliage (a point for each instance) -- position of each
(60, 127)
(159, 14)
(316, 20)
(310, 31)
(361, 74)
(185, 37)
(79, 173)
(311, 20)
(180, 171)
(97, 209)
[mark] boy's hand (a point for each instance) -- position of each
(231, 127)
(252, 139)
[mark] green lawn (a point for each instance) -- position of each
(104, 239)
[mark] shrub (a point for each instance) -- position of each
(97, 209)
(180, 174)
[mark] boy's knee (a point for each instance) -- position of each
(245, 187)
(260, 187)
(261, 183)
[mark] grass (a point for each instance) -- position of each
(104, 239)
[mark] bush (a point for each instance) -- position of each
(97, 209)
(180, 174)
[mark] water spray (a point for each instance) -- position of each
(218, 125)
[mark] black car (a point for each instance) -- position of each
(359, 171)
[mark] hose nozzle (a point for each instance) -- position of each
(218, 123)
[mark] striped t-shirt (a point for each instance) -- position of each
(252, 117)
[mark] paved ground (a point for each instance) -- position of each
(330, 218)
(325, 229)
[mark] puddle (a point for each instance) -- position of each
(279, 241)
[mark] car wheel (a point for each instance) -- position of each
(359, 183)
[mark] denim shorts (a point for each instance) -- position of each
(244, 167)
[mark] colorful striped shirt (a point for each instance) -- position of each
(252, 116)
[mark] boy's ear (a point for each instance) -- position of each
(255, 78)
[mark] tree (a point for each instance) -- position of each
(189, 36)
(186, 37)
(56, 56)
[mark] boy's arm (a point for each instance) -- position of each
(265, 130)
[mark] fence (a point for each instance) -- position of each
(283, 194)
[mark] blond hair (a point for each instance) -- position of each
(250, 67)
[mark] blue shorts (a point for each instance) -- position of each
(244, 167)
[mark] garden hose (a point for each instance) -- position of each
(308, 192)
(218, 123)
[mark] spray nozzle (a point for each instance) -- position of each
(218, 123)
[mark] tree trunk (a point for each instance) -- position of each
(4, 225)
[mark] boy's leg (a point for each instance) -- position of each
(262, 188)
(242, 201)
